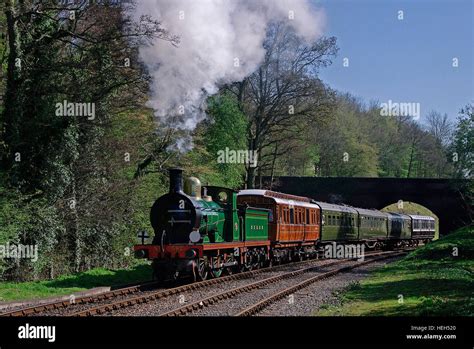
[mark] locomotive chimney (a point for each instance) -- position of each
(176, 180)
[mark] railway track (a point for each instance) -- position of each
(197, 296)
(259, 306)
(189, 288)
(82, 304)
(52, 308)
(116, 301)
(289, 277)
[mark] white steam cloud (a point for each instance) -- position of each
(220, 41)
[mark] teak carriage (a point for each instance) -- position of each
(293, 220)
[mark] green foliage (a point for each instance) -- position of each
(28, 221)
(433, 281)
(225, 128)
(463, 143)
(71, 188)
(345, 146)
(376, 145)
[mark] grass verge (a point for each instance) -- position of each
(435, 280)
(67, 284)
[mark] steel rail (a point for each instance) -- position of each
(189, 308)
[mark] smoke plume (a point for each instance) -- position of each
(220, 41)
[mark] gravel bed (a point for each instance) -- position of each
(160, 306)
(234, 305)
(230, 307)
(311, 298)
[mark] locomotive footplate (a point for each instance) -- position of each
(187, 251)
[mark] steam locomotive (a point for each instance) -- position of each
(205, 231)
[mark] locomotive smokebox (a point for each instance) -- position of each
(176, 180)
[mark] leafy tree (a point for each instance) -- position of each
(226, 129)
(463, 143)
(74, 53)
(283, 91)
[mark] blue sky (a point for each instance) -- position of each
(403, 61)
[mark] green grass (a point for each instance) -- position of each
(67, 284)
(431, 281)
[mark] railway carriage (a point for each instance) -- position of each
(338, 222)
(398, 226)
(372, 226)
(423, 227)
(294, 224)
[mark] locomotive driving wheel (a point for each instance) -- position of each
(252, 260)
(202, 269)
(216, 271)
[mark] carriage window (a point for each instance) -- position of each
(307, 216)
(292, 215)
(270, 216)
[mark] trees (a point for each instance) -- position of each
(345, 147)
(283, 92)
(439, 126)
(462, 156)
(226, 129)
(462, 147)
(358, 141)
(82, 54)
